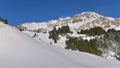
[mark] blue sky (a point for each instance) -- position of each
(20, 11)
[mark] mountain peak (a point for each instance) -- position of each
(90, 12)
(88, 15)
(84, 20)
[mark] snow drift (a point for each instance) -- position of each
(18, 50)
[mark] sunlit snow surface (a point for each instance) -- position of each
(18, 50)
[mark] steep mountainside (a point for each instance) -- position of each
(82, 27)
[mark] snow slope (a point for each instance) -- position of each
(78, 22)
(18, 50)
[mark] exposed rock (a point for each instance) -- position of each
(21, 28)
(3, 21)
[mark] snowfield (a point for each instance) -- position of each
(18, 50)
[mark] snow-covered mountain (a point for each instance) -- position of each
(18, 50)
(80, 21)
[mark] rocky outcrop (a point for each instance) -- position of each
(3, 21)
(21, 28)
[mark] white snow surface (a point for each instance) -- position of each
(35, 26)
(18, 50)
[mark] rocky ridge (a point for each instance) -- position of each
(80, 21)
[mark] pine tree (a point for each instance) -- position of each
(94, 31)
(54, 35)
(80, 44)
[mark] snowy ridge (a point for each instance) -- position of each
(84, 20)
(35, 26)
